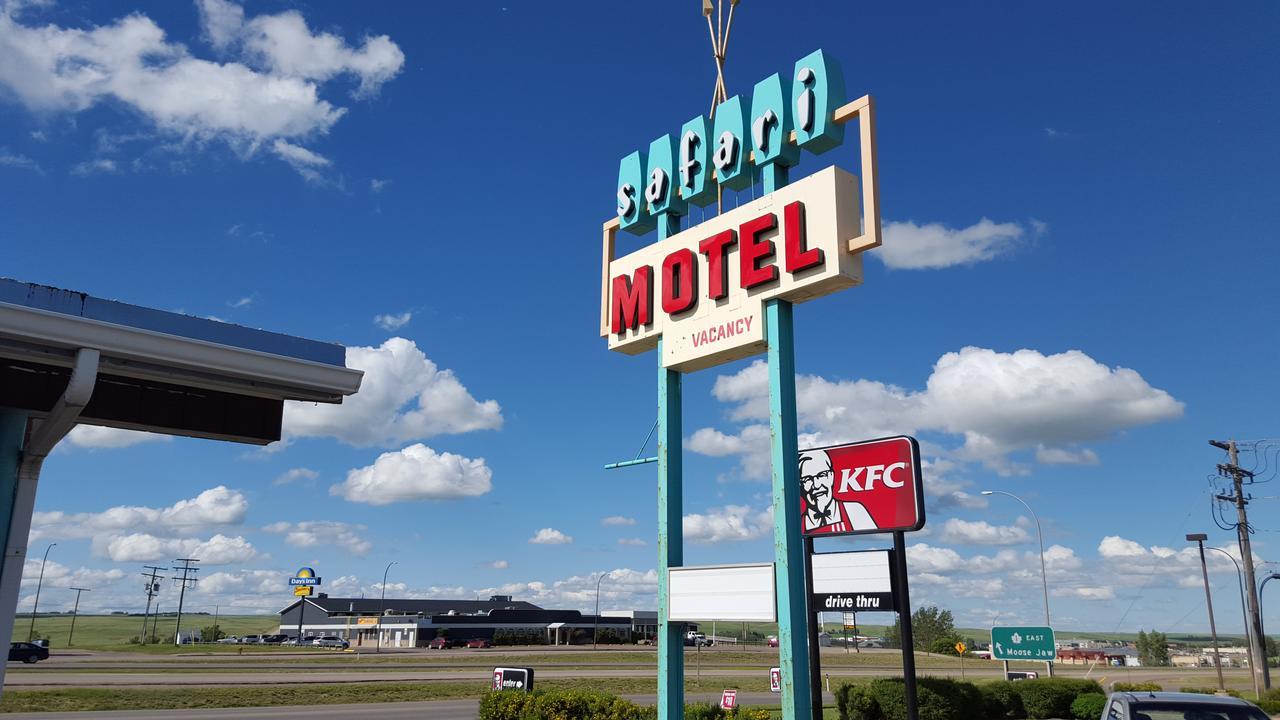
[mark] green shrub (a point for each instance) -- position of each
(703, 711)
(1198, 690)
(1137, 687)
(1270, 707)
(1088, 706)
(1272, 694)
(505, 636)
(854, 702)
(560, 705)
(1052, 697)
(750, 713)
(938, 699)
(1000, 699)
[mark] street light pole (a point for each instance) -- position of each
(75, 611)
(1244, 610)
(32, 632)
(595, 631)
(1044, 575)
(382, 604)
(1198, 539)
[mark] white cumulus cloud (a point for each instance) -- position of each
(404, 397)
(416, 473)
(308, 533)
(999, 403)
(145, 547)
(391, 322)
(908, 246)
(295, 474)
(550, 536)
(269, 89)
(96, 436)
(980, 532)
(728, 523)
(216, 507)
(617, 520)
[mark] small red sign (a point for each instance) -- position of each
(775, 680)
(867, 487)
(729, 700)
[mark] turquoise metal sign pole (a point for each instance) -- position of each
(670, 528)
(788, 545)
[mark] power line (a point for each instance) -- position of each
(187, 580)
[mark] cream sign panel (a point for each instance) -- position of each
(703, 290)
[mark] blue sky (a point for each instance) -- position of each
(1073, 296)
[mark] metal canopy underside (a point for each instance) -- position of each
(160, 371)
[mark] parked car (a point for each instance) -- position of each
(331, 641)
(229, 640)
(479, 643)
(440, 644)
(274, 639)
(28, 652)
(251, 640)
(1161, 705)
(773, 641)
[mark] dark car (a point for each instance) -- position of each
(479, 643)
(1178, 706)
(28, 652)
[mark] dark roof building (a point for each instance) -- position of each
(407, 622)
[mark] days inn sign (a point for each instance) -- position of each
(703, 289)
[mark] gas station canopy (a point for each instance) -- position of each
(160, 371)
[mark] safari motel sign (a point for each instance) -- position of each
(703, 289)
(723, 290)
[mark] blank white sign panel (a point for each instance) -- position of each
(850, 572)
(722, 592)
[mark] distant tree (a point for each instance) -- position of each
(211, 633)
(1271, 647)
(929, 627)
(1153, 648)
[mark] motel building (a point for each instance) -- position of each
(408, 623)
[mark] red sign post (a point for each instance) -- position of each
(729, 700)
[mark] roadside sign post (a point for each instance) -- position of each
(724, 289)
(960, 648)
(870, 487)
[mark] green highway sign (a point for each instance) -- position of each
(1023, 643)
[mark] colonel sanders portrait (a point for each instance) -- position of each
(822, 512)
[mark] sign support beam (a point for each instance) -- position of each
(902, 591)
(797, 703)
(670, 529)
(815, 652)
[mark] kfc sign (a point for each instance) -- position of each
(505, 678)
(866, 487)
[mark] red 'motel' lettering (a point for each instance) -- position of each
(798, 258)
(632, 300)
(679, 281)
(716, 248)
(753, 250)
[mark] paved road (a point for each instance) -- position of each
(436, 710)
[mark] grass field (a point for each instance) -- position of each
(113, 632)
(73, 699)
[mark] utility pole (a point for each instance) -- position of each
(75, 611)
(187, 580)
(1237, 474)
(153, 589)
